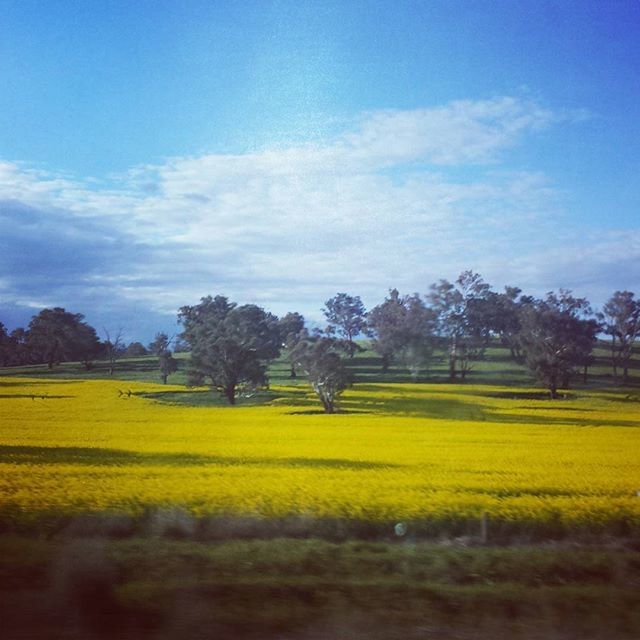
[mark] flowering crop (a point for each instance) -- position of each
(398, 452)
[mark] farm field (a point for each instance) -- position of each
(399, 452)
(481, 510)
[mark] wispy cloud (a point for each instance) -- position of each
(400, 199)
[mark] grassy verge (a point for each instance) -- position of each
(285, 588)
(177, 524)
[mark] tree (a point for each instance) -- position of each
(621, 315)
(402, 327)
(56, 335)
(135, 350)
(166, 362)
(346, 317)
(462, 311)
(557, 337)
(19, 349)
(230, 344)
(418, 334)
(168, 365)
(503, 318)
(5, 346)
(291, 327)
(160, 344)
(320, 360)
(585, 333)
(113, 347)
(87, 345)
(386, 326)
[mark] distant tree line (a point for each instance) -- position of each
(231, 345)
(553, 336)
(54, 336)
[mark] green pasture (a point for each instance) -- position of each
(495, 367)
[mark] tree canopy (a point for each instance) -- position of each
(292, 330)
(621, 315)
(346, 317)
(402, 327)
(385, 325)
(230, 344)
(166, 362)
(320, 359)
(462, 312)
(557, 337)
(56, 335)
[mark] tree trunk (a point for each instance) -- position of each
(385, 362)
(625, 375)
(230, 392)
(452, 365)
(452, 360)
(585, 374)
(292, 373)
(553, 386)
(327, 404)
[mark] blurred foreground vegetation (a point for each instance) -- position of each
(312, 589)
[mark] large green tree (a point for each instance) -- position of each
(502, 317)
(56, 335)
(558, 337)
(462, 309)
(230, 344)
(385, 325)
(402, 327)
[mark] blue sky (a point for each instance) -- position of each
(278, 152)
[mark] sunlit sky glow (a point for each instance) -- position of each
(279, 152)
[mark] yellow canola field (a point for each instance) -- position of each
(398, 452)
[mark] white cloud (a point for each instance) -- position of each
(459, 133)
(403, 198)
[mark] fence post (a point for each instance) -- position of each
(484, 527)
